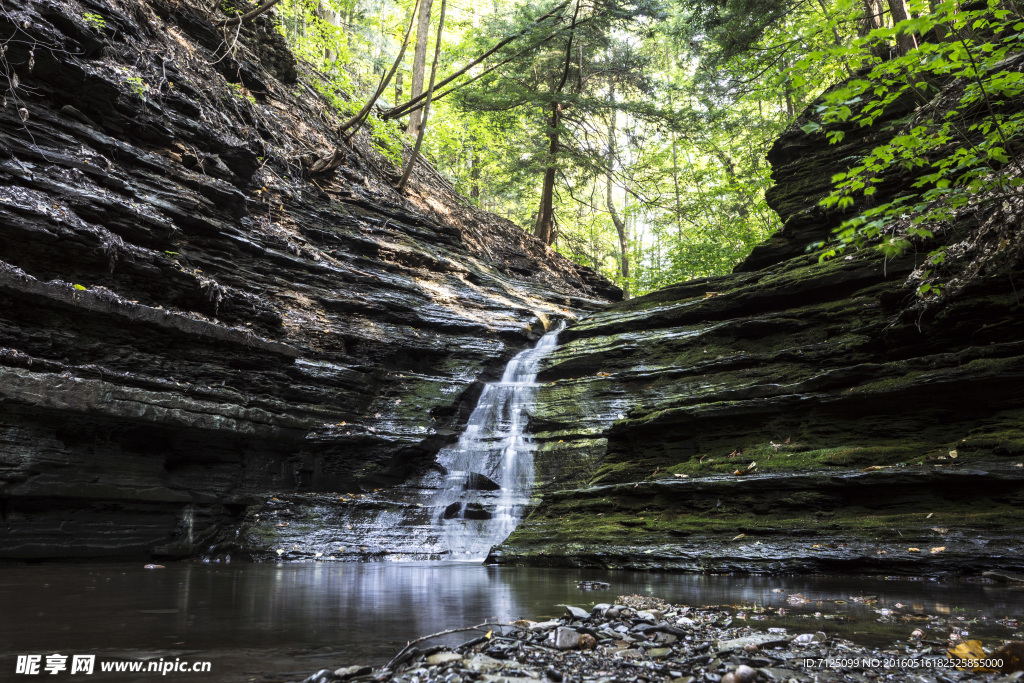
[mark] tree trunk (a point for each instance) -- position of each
(426, 108)
(357, 120)
(398, 86)
(405, 107)
(419, 60)
(941, 30)
(474, 172)
(331, 17)
(620, 225)
(905, 41)
(545, 228)
(872, 16)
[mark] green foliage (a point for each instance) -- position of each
(238, 90)
(95, 21)
(386, 138)
(701, 91)
(138, 86)
(956, 144)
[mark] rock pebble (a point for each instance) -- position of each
(577, 613)
(648, 640)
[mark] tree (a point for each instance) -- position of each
(620, 225)
(426, 109)
(419, 61)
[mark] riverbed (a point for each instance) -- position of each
(276, 622)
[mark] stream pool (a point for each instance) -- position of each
(267, 622)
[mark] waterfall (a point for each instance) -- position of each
(457, 511)
(490, 470)
(189, 520)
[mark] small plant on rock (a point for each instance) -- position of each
(95, 21)
(138, 85)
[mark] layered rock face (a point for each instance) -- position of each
(191, 317)
(795, 415)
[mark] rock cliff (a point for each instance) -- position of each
(887, 428)
(191, 316)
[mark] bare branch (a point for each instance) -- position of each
(411, 643)
(248, 16)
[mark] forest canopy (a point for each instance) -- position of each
(631, 134)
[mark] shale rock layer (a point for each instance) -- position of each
(796, 414)
(192, 316)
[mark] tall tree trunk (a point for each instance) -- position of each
(357, 120)
(419, 60)
(670, 66)
(835, 35)
(474, 171)
(872, 16)
(426, 108)
(545, 228)
(941, 30)
(398, 86)
(405, 107)
(620, 225)
(905, 41)
(331, 17)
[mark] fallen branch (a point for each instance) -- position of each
(411, 643)
(248, 16)
(385, 79)
(426, 107)
(405, 108)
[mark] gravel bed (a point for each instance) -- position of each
(640, 638)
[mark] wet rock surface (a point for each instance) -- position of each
(192, 316)
(640, 638)
(795, 415)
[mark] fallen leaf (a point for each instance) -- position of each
(929, 515)
(681, 476)
(953, 454)
(738, 537)
(490, 632)
(970, 650)
(940, 530)
(913, 550)
(747, 470)
(938, 549)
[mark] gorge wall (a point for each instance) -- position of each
(221, 328)
(887, 427)
(192, 318)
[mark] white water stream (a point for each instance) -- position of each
(490, 469)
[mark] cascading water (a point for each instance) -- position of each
(490, 469)
(457, 511)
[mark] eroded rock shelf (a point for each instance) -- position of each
(208, 348)
(191, 322)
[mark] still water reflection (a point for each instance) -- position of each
(264, 621)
